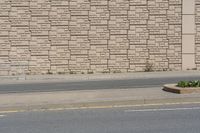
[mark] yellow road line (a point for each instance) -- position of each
(94, 107)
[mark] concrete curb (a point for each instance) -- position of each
(174, 89)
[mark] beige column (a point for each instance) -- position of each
(188, 35)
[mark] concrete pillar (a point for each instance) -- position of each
(188, 35)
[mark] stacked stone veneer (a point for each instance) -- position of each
(62, 36)
(197, 38)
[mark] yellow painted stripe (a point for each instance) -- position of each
(95, 107)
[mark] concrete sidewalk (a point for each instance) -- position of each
(16, 102)
(93, 77)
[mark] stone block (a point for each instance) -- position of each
(59, 69)
(64, 3)
(79, 23)
(99, 2)
(98, 54)
(4, 52)
(40, 24)
(19, 14)
(79, 13)
(19, 3)
(61, 42)
(39, 65)
(99, 32)
(174, 14)
(197, 53)
(36, 52)
(197, 14)
(159, 41)
(4, 44)
(197, 35)
(138, 15)
(40, 43)
(20, 33)
(4, 33)
(21, 53)
(175, 67)
(119, 7)
(99, 12)
(175, 2)
(174, 34)
(5, 24)
(79, 52)
(59, 13)
(138, 34)
(98, 42)
(137, 68)
(118, 42)
(119, 22)
(158, 7)
(59, 55)
(5, 4)
(137, 54)
(159, 62)
(118, 62)
(19, 43)
(138, 2)
(79, 42)
(157, 24)
(4, 13)
(100, 68)
(79, 62)
(118, 32)
(79, 5)
(39, 12)
(59, 33)
(40, 4)
(18, 69)
(4, 72)
(4, 66)
(174, 54)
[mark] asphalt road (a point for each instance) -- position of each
(91, 85)
(161, 119)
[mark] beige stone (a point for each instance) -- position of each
(188, 44)
(188, 61)
(188, 6)
(188, 24)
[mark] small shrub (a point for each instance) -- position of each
(116, 71)
(184, 84)
(13, 74)
(194, 68)
(49, 72)
(164, 69)
(148, 67)
(90, 72)
(105, 71)
(61, 72)
(72, 72)
(27, 73)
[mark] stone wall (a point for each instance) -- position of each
(197, 37)
(85, 36)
